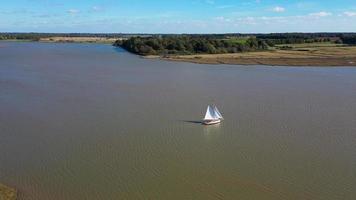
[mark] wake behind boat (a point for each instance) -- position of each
(212, 116)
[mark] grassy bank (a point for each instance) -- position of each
(7, 193)
(299, 55)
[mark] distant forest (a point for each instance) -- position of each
(225, 43)
(163, 44)
(190, 45)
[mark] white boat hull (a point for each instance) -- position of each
(211, 122)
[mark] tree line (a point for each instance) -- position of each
(197, 43)
(186, 44)
(350, 40)
(224, 43)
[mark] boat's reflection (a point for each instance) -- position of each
(211, 131)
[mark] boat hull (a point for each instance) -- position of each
(211, 122)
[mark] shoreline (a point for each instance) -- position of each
(342, 56)
(320, 57)
(291, 62)
(94, 40)
(7, 193)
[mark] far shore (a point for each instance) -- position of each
(299, 55)
(98, 40)
(7, 193)
(321, 56)
(103, 40)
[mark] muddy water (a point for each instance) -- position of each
(91, 121)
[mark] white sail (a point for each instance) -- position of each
(210, 114)
(217, 113)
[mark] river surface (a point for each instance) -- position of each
(88, 121)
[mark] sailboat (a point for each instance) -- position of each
(212, 116)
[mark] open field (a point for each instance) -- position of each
(310, 45)
(81, 39)
(307, 55)
(7, 193)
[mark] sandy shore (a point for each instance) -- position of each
(7, 193)
(81, 39)
(320, 56)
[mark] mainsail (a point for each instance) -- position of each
(210, 114)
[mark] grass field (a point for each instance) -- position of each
(7, 193)
(237, 40)
(311, 45)
(313, 54)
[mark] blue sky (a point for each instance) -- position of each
(178, 16)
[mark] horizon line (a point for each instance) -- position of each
(142, 33)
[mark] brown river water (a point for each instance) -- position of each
(90, 121)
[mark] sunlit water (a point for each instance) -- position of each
(82, 121)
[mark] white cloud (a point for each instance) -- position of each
(278, 9)
(72, 11)
(96, 8)
(222, 19)
(350, 14)
(225, 6)
(320, 14)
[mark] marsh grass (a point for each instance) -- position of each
(7, 193)
(307, 55)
